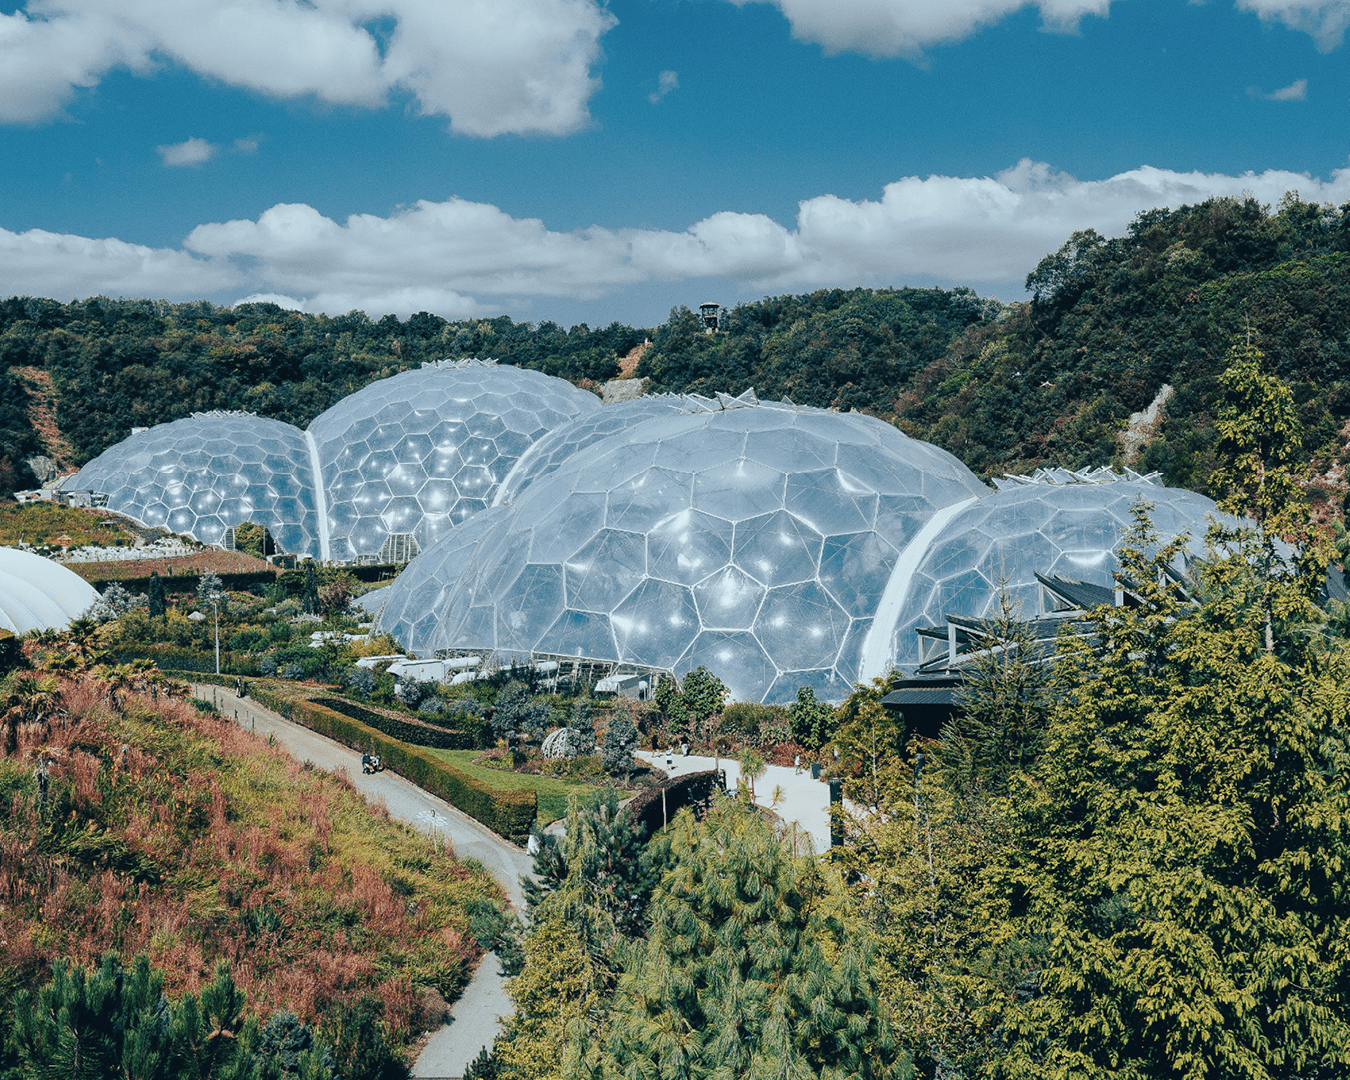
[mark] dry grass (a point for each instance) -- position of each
(188, 567)
(178, 835)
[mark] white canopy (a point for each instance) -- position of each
(36, 593)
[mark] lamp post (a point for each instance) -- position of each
(211, 590)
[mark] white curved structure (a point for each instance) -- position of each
(38, 594)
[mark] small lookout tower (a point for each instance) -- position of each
(711, 316)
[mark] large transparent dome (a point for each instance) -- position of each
(545, 456)
(420, 452)
(752, 540)
(204, 474)
(1059, 523)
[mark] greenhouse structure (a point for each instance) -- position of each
(777, 545)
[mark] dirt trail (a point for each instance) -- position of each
(42, 415)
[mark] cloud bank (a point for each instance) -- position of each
(461, 258)
(884, 28)
(881, 28)
(491, 66)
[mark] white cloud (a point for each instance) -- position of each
(1295, 91)
(192, 152)
(38, 263)
(1325, 20)
(667, 82)
(881, 28)
(491, 66)
(905, 27)
(460, 258)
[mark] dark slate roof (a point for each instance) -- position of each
(1335, 587)
(917, 695)
(1080, 594)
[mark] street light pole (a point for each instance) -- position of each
(217, 607)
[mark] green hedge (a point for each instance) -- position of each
(189, 660)
(408, 731)
(507, 813)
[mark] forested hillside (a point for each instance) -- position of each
(1005, 387)
(1113, 320)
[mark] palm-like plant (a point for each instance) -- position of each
(30, 699)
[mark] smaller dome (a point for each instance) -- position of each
(211, 472)
(422, 451)
(39, 594)
(1054, 523)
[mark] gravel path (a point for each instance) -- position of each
(473, 1022)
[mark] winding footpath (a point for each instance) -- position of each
(474, 1019)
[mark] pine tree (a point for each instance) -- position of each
(621, 740)
(115, 1021)
(746, 970)
(1261, 444)
(592, 900)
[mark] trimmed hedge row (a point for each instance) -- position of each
(507, 813)
(409, 731)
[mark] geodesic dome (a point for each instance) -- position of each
(752, 540)
(38, 594)
(1055, 523)
(209, 472)
(545, 456)
(420, 452)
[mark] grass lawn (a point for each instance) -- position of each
(551, 793)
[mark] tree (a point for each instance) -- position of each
(254, 539)
(309, 595)
(1179, 848)
(704, 694)
(668, 700)
(517, 713)
(592, 898)
(621, 740)
(870, 741)
(1259, 476)
(812, 721)
(752, 768)
(154, 596)
(30, 698)
(113, 1021)
(581, 729)
(1002, 699)
(745, 970)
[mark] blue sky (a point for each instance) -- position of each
(578, 161)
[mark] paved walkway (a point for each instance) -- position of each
(473, 1020)
(803, 800)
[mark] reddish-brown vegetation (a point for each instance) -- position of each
(169, 832)
(189, 567)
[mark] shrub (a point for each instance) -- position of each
(746, 718)
(246, 641)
